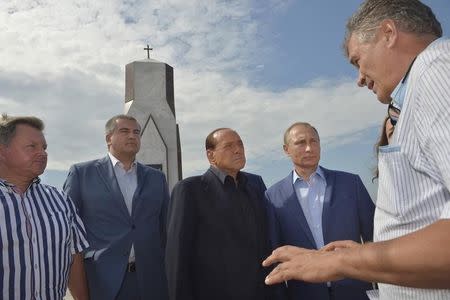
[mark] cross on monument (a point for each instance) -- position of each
(148, 51)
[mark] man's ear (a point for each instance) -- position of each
(285, 149)
(2, 150)
(210, 156)
(108, 140)
(389, 31)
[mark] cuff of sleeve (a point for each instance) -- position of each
(446, 211)
(81, 247)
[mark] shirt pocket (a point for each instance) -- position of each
(59, 223)
(393, 191)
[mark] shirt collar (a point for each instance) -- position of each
(399, 93)
(318, 171)
(222, 175)
(115, 161)
(5, 184)
(11, 187)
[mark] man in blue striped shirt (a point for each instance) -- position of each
(398, 49)
(41, 234)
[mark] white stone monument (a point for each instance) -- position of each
(149, 97)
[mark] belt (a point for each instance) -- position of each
(131, 267)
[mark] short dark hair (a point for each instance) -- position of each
(304, 124)
(8, 126)
(111, 124)
(211, 142)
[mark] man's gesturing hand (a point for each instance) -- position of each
(302, 264)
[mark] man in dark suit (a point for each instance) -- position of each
(314, 206)
(123, 205)
(217, 231)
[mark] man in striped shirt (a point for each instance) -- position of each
(397, 47)
(41, 234)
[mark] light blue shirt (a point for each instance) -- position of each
(311, 194)
(127, 181)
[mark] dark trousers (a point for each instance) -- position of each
(129, 290)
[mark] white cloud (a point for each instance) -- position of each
(64, 61)
(207, 101)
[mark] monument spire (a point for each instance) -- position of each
(148, 49)
(149, 97)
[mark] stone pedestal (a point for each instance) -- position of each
(149, 97)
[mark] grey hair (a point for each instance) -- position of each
(8, 126)
(296, 124)
(111, 124)
(409, 15)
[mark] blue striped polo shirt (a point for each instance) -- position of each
(39, 232)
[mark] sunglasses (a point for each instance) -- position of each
(393, 113)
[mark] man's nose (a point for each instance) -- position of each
(361, 80)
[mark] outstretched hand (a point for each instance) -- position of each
(296, 263)
(333, 246)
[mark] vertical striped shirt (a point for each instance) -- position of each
(39, 232)
(414, 169)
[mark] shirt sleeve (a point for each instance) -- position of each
(432, 117)
(446, 212)
(79, 240)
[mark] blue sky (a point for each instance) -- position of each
(256, 66)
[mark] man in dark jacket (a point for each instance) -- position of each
(217, 230)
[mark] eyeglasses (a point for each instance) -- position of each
(393, 113)
(398, 97)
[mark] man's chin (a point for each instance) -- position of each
(384, 99)
(133, 150)
(240, 165)
(38, 172)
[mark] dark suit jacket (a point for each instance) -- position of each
(207, 254)
(111, 230)
(347, 215)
